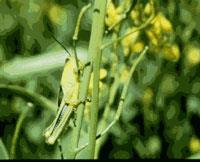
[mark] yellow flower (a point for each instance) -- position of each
(193, 56)
(148, 95)
(56, 14)
(129, 40)
(160, 26)
(125, 74)
(156, 28)
(194, 145)
(171, 53)
(124, 5)
(148, 9)
(126, 51)
(112, 15)
(135, 16)
(137, 47)
(165, 24)
(103, 74)
(162, 22)
(152, 37)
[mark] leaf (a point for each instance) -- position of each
(3, 151)
(195, 156)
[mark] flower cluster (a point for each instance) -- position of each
(194, 145)
(115, 13)
(158, 34)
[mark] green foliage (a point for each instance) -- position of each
(3, 151)
(161, 114)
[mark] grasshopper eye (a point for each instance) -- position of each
(66, 60)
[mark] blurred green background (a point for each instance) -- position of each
(161, 113)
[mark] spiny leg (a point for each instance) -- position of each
(75, 117)
(60, 149)
(75, 104)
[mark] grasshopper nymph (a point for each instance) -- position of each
(69, 88)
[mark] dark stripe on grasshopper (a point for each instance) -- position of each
(59, 124)
(60, 97)
(55, 122)
(60, 116)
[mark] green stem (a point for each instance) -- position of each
(95, 52)
(16, 133)
(83, 88)
(31, 85)
(112, 94)
(80, 111)
(76, 32)
(78, 23)
(124, 92)
(96, 34)
(29, 96)
(120, 106)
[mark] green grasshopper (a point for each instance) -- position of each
(69, 88)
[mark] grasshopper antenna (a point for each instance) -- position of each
(60, 44)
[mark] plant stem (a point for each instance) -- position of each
(95, 43)
(103, 124)
(76, 32)
(95, 52)
(30, 96)
(124, 92)
(82, 90)
(78, 23)
(31, 85)
(16, 133)
(122, 98)
(112, 92)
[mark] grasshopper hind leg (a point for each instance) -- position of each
(60, 122)
(60, 149)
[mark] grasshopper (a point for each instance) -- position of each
(69, 87)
